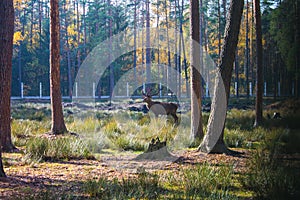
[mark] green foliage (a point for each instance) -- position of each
(57, 148)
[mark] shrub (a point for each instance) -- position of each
(42, 149)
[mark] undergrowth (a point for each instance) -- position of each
(60, 148)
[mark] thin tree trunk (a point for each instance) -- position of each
(205, 47)
(148, 49)
(111, 66)
(134, 43)
(78, 40)
(31, 23)
(297, 41)
(70, 88)
(259, 69)
(168, 73)
(246, 69)
(40, 22)
(6, 51)
(180, 9)
(158, 40)
(196, 101)
(187, 85)
(84, 28)
(219, 28)
(213, 141)
(236, 67)
(224, 9)
(58, 124)
(174, 75)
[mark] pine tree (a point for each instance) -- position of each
(58, 123)
(196, 102)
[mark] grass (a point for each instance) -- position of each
(47, 149)
(268, 175)
(199, 182)
(145, 186)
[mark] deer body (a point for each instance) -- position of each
(161, 108)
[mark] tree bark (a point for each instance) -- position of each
(213, 141)
(6, 51)
(259, 70)
(58, 124)
(6, 45)
(196, 101)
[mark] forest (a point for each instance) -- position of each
(149, 99)
(85, 24)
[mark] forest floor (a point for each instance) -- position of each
(65, 177)
(68, 177)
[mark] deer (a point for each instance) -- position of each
(160, 108)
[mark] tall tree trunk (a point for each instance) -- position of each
(205, 43)
(78, 40)
(6, 51)
(58, 124)
(219, 28)
(246, 69)
(168, 73)
(224, 9)
(6, 45)
(111, 66)
(84, 28)
(148, 49)
(184, 54)
(180, 10)
(236, 67)
(297, 41)
(134, 43)
(31, 23)
(70, 85)
(159, 71)
(259, 69)
(196, 101)
(40, 5)
(175, 56)
(213, 141)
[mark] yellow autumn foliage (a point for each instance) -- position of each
(18, 37)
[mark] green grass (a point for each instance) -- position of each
(145, 186)
(267, 174)
(60, 148)
(199, 182)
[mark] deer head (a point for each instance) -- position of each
(148, 96)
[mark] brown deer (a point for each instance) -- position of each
(160, 108)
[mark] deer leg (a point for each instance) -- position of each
(175, 117)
